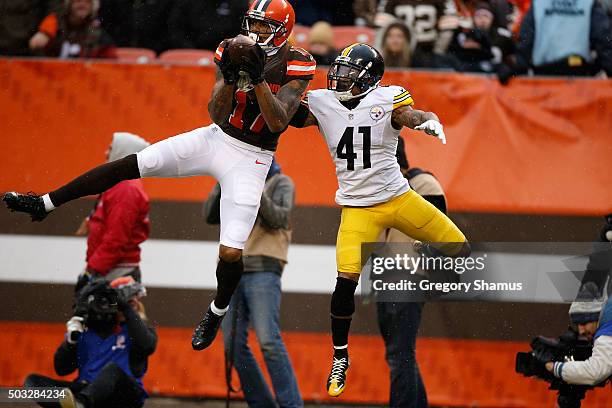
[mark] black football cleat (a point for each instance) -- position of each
(336, 383)
(28, 203)
(205, 332)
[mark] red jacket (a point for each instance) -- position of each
(118, 225)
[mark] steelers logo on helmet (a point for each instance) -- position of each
(377, 112)
(269, 23)
(355, 72)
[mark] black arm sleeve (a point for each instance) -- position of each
(65, 359)
(143, 337)
(299, 119)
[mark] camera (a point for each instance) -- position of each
(569, 346)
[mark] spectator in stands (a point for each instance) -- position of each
(119, 222)
(258, 295)
(502, 11)
(204, 24)
(75, 33)
(109, 342)
(365, 12)
(399, 318)
(321, 43)
(432, 26)
(137, 23)
(558, 38)
(396, 46)
(481, 46)
(19, 20)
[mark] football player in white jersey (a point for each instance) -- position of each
(361, 122)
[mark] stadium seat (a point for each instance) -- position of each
(347, 35)
(138, 55)
(300, 36)
(188, 56)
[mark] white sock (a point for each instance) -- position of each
(216, 310)
(48, 203)
(341, 347)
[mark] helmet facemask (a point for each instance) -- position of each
(345, 75)
(270, 39)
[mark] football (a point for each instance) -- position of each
(239, 46)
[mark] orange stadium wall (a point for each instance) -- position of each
(539, 146)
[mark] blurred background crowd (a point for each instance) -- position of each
(504, 37)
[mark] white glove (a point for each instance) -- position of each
(74, 326)
(433, 128)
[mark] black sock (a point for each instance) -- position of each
(228, 277)
(97, 180)
(342, 309)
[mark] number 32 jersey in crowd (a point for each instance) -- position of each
(246, 122)
(362, 142)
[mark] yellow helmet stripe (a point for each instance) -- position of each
(348, 49)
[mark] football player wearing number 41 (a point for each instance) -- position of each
(361, 123)
(260, 81)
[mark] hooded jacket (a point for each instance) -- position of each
(120, 220)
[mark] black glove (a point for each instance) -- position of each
(505, 74)
(229, 71)
(253, 64)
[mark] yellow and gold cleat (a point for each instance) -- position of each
(336, 383)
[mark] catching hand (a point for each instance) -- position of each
(253, 64)
(229, 70)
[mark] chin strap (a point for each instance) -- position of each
(348, 95)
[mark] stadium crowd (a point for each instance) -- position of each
(505, 37)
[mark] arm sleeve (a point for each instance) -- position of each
(219, 51)
(402, 98)
(212, 206)
(49, 26)
(65, 359)
(276, 208)
(143, 337)
(300, 65)
(591, 371)
(524, 47)
(122, 210)
(601, 37)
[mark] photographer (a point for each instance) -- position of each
(108, 342)
(595, 325)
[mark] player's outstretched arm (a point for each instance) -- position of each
(416, 119)
(278, 110)
(220, 104)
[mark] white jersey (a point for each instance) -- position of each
(362, 143)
